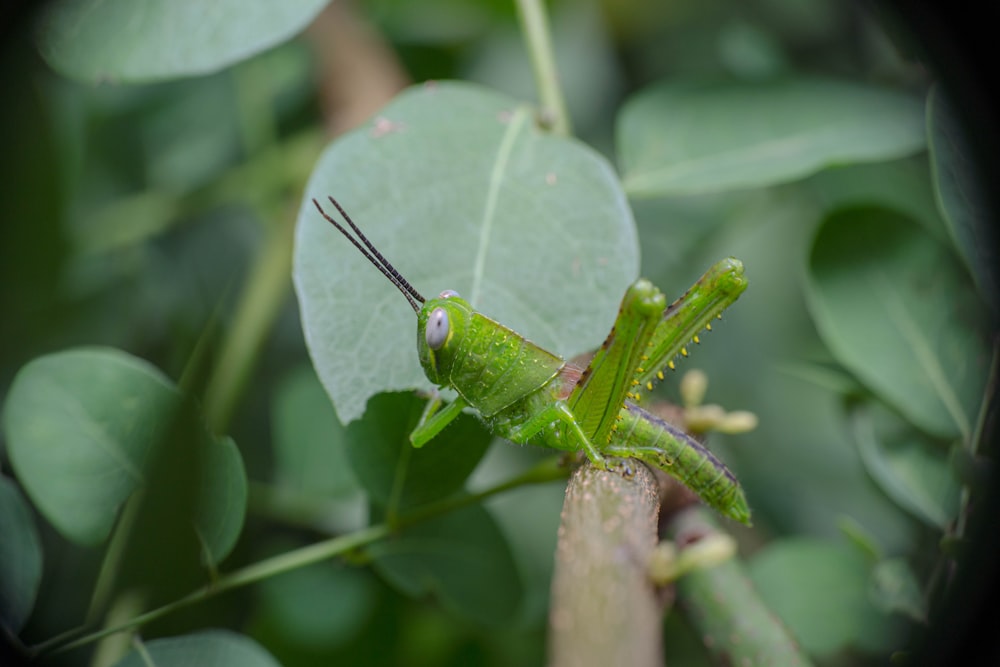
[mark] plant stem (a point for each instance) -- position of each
(605, 610)
(535, 25)
(722, 604)
(259, 304)
(112, 558)
(269, 567)
(546, 471)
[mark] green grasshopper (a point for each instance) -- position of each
(530, 396)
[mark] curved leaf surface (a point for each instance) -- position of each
(84, 426)
(897, 310)
(100, 41)
(222, 498)
(894, 588)
(81, 426)
(211, 648)
(456, 187)
(20, 558)
(392, 471)
(462, 558)
(820, 591)
(691, 137)
(915, 473)
(957, 187)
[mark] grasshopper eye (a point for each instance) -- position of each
(447, 294)
(436, 332)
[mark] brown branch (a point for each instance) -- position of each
(604, 609)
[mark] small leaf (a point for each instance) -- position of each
(913, 472)
(820, 591)
(462, 558)
(957, 187)
(210, 648)
(459, 190)
(98, 41)
(84, 428)
(860, 537)
(898, 312)
(894, 588)
(20, 558)
(310, 454)
(690, 137)
(222, 499)
(81, 426)
(393, 471)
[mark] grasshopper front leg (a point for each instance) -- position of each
(557, 417)
(434, 419)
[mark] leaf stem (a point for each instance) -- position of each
(268, 567)
(111, 563)
(535, 25)
(546, 471)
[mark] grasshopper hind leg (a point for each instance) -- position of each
(652, 440)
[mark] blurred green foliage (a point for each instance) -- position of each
(140, 216)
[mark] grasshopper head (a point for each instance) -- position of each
(441, 327)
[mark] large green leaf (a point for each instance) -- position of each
(85, 426)
(915, 473)
(210, 648)
(20, 558)
(459, 190)
(460, 557)
(897, 310)
(98, 41)
(392, 471)
(820, 591)
(959, 194)
(691, 137)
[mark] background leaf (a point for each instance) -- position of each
(20, 558)
(957, 187)
(692, 137)
(97, 41)
(458, 189)
(392, 471)
(896, 309)
(462, 558)
(319, 606)
(86, 426)
(894, 588)
(310, 454)
(81, 426)
(211, 648)
(913, 472)
(222, 498)
(820, 590)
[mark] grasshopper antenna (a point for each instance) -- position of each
(380, 262)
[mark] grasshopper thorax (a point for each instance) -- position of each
(442, 324)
